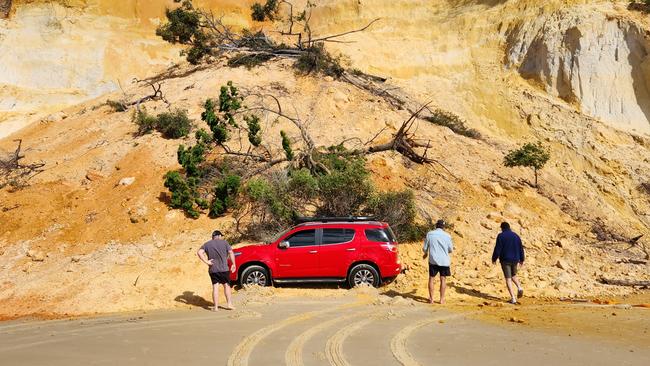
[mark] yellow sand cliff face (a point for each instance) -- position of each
(506, 67)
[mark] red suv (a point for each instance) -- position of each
(356, 250)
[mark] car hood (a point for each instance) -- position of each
(251, 248)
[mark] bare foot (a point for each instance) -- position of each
(441, 302)
(230, 307)
(430, 301)
(214, 309)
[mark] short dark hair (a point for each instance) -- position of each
(505, 226)
(440, 224)
(216, 233)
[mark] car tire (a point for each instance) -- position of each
(255, 275)
(363, 274)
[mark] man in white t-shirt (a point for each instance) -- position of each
(437, 247)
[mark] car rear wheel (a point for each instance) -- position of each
(363, 275)
(255, 275)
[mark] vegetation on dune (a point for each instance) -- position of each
(640, 5)
(529, 155)
(453, 122)
(173, 125)
(267, 188)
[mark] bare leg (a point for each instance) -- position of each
(443, 287)
(215, 296)
(509, 285)
(431, 286)
(227, 291)
(516, 281)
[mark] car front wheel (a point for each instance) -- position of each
(363, 274)
(255, 275)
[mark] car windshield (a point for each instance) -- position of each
(277, 237)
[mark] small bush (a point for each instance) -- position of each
(146, 122)
(398, 209)
(249, 60)
(184, 193)
(117, 106)
(172, 125)
(225, 192)
(268, 11)
(317, 60)
(453, 122)
(530, 155)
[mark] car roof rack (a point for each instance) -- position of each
(303, 220)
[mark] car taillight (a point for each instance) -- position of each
(390, 247)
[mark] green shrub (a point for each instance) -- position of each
(286, 145)
(254, 129)
(453, 122)
(398, 209)
(191, 158)
(268, 11)
(117, 105)
(249, 60)
(184, 193)
(174, 124)
(146, 122)
(317, 60)
(346, 189)
(183, 26)
(225, 192)
(529, 155)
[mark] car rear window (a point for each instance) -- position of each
(337, 236)
(379, 235)
(302, 238)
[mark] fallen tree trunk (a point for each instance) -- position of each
(610, 281)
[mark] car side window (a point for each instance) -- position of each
(302, 238)
(337, 236)
(377, 235)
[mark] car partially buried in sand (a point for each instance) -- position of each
(355, 250)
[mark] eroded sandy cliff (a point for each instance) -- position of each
(76, 241)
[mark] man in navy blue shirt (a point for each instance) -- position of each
(510, 253)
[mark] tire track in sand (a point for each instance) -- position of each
(241, 353)
(398, 344)
(334, 346)
(293, 355)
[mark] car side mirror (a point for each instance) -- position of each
(284, 245)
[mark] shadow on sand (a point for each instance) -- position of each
(409, 295)
(189, 298)
(473, 293)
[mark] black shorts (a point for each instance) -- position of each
(220, 277)
(434, 269)
(509, 269)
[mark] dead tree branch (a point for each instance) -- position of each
(615, 282)
(16, 174)
(156, 95)
(332, 38)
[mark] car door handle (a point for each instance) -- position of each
(351, 249)
(313, 251)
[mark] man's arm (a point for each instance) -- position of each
(204, 257)
(233, 267)
(451, 245)
(521, 252)
(497, 250)
(425, 249)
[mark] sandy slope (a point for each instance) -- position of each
(76, 241)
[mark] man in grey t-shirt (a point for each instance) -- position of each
(215, 253)
(437, 247)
